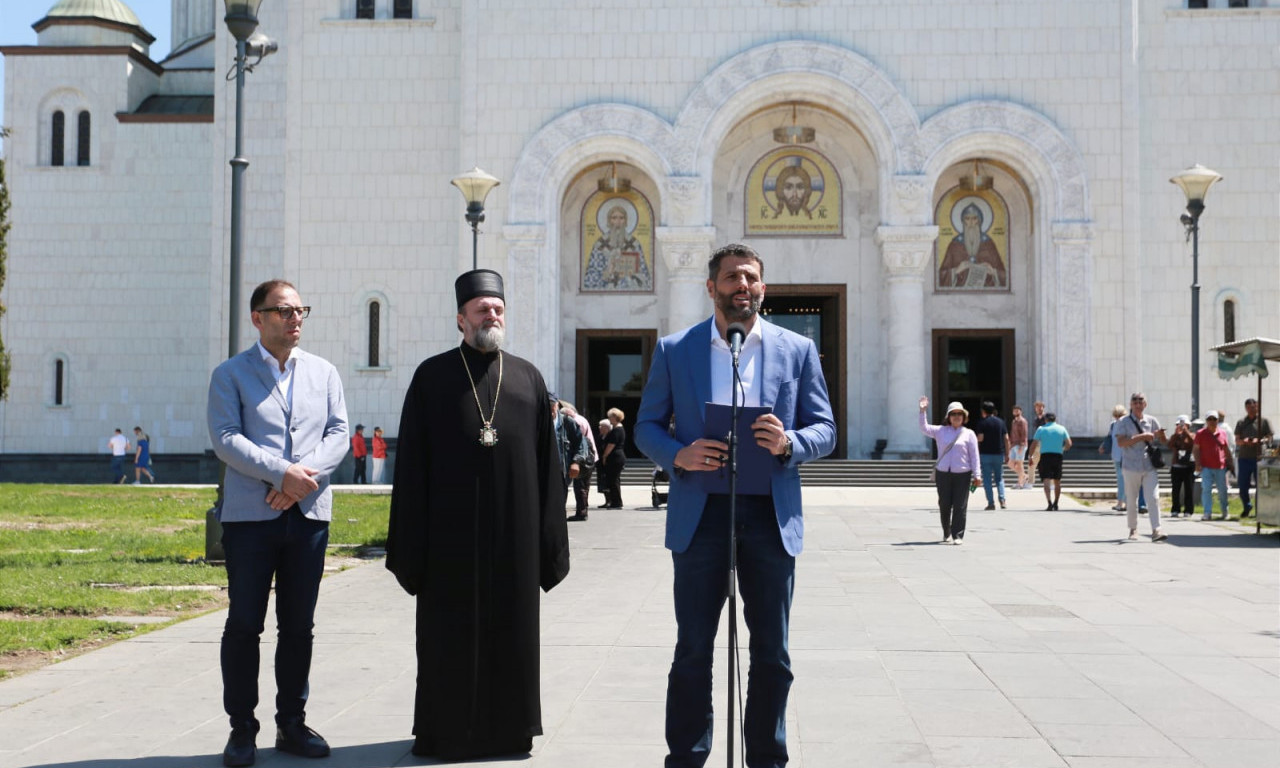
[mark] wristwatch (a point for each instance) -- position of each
(786, 451)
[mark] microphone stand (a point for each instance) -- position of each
(732, 584)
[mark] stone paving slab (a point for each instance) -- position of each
(1046, 640)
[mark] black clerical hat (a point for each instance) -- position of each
(477, 282)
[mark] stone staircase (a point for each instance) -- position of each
(1076, 473)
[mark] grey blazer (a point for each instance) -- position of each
(257, 436)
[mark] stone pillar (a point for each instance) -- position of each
(905, 252)
(1068, 309)
(531, 282)
(685, 251)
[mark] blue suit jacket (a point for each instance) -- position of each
(257, 436)
(680, 384)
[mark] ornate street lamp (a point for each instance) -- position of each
(242, 20)
(1195, 182)
(475, 186)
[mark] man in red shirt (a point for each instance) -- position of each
(1212, 455)
(359, 450)
(379, 455)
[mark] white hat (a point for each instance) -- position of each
(1183, 419)
(956, 405)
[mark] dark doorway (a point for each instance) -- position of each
(972, 366)
(612, 366)
(816, 312)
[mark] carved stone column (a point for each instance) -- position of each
(905, 252)
(533, 299)
(685, 251)
(1068, 308)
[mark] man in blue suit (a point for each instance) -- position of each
(278, 420)
(779, 370)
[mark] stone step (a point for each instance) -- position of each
(1076, 473)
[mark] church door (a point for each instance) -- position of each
(972, 366)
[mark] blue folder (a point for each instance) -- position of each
(755, 464)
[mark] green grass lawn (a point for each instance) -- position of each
(71, 555)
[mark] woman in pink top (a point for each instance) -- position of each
(957, 467)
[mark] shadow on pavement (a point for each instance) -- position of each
(376, 755)
(1239, 540)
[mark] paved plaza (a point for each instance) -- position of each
(1044, 641)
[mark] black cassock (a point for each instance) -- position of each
(474, 532)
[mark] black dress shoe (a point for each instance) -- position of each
(241, 749)
(297, 739)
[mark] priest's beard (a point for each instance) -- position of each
(488, 339)
(732, 312)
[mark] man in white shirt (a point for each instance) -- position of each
(119, 445)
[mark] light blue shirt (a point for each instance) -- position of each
(1052, 437)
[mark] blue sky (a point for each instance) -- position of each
(17, 16)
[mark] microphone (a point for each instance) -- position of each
(735, 335)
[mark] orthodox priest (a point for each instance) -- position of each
(477, 526)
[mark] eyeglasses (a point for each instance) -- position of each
(287, 312)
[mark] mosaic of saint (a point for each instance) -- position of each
(793, 191)
(617, 243)
(972, 250)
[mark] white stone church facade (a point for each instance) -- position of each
(1075, 114)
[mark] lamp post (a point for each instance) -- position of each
(475, 186)
(1195, 182)
(241, 20)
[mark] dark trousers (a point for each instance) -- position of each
(290, 547)
(117, 468)
(766, 581)
(613, 483)
(953, 502)
(1247, 474)
(358, 477)
(581, 485)
(1183, 480)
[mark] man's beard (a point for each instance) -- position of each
(616, 239)
(488, 339)
(972, 240)
(732, 312)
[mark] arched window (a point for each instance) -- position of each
(59, 381)
(56, 138)
(82, 139)
(375, 334)
(402, 9)
(1228, 321)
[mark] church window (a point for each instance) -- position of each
(375, 332)
(364, 9)
(402, 9)
(1228, 321)
(82, 139)
(57, 133)
(59, 381)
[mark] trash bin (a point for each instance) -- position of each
(1266, 502)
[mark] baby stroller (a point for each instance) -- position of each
(659, 497)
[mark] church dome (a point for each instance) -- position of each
(106, 10)
(113, 14)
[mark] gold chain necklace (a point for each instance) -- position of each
(488, 435)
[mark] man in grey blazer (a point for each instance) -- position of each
(278, 420)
